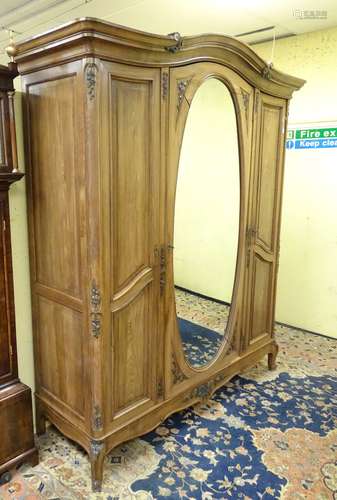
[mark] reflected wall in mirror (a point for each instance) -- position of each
(206, 222)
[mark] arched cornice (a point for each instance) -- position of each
(89, 37)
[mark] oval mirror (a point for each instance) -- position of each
(206, 222)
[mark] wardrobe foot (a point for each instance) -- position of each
(97, 454)
(96, 485)
(5, 478)
(272, 358)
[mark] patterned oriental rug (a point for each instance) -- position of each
(265, 435)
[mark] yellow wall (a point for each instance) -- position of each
(21, 261)
(307, 291)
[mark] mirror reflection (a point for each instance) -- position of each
(206, 222)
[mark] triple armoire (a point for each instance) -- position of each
(105, 111)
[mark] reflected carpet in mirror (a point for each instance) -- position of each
(200, 344)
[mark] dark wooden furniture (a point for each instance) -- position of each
(16, 424)
(105, 112)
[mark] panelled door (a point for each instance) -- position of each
(130, 110)
(262, 231)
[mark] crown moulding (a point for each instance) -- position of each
(89, 37)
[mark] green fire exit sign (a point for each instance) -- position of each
(312, 138)
(312, 133)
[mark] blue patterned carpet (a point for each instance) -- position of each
(200, 344)
(215, 451)
(266, 435)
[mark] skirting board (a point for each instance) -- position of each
(218, 301)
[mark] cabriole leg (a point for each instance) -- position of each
(272, 358)
(97, 454)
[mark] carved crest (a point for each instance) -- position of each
(96, 447)
(96, 326)
(230, 346)
(177, 375)
(97, 421)
(204, 391)
(90, 76)
(95, 299)
(160, 389)
(266, 71)
(95, 295)
(165, 83)
(181, 86)
(176, 36)
(245, 98)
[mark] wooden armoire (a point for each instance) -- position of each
(105, 110)
(16, 420)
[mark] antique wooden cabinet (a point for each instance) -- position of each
(105, 112)
(16, 423)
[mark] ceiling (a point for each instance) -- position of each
(29, 17)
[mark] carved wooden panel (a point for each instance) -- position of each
(131, 340)
(263, 232)
(261, 296)
(271, 124)
(134, 122)
(55, 208)
(131, 103)
(61, 353)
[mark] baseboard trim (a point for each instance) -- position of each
(218, 301)
(304, 330)
(197, 294)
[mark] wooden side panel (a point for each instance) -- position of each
(263, 231)
(134, 165)
(57, 221)
(56, 226)
(61, 353)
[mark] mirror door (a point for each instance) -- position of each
(206, 198)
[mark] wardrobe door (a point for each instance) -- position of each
(131, 108)
(209, 141)
(263, 230)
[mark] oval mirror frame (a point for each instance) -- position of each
(226, 345)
